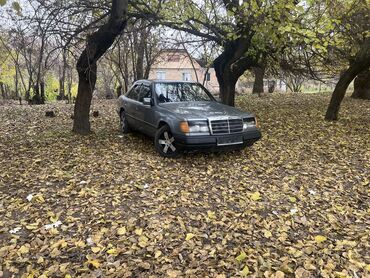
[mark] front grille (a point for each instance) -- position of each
(227, 126)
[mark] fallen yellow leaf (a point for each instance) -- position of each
(211, 215)
(40, 198)
(245, 271)
(157, 254)
(256, 196)
(139, 231)
(341, 275)
(23, 249)
(267, 234)
(94, 263)
(241, 256)
(32, 226)
(320, 239)
(95, 249)
(80, 244)
(113, 251)
(292, 199)
(189, 236)
(143, 241)
(121, 231)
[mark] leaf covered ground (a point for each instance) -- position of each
(106, 205)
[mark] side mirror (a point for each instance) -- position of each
(147, 101)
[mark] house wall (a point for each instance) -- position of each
(176, 65)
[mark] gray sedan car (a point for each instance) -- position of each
(184, 116)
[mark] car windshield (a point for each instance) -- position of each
(179, 92)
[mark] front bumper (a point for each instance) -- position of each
(210, 142)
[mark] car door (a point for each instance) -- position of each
(130, 103)
(145, 113)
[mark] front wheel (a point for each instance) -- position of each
(165, 142)
(123, 123)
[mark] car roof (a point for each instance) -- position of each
(150, 81)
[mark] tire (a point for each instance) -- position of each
(124, 123)
(165, 143)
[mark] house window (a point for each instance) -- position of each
(208, 76)
(186, 76)
(161, 75)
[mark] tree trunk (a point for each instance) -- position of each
(42, 90)
(259, 73)
(27, 96)
(205, 76)
(271, 86)
(361, 63)
(2, 90)
(62, 78)
(36, 92)
(119, 91)
(36, 99)
(69, 88)
(230, 65)
(97, 44)
(16, 82)
(226, 80)
(125, 85)
(227, 91)
(339, 93)
(362, 85)
(86, 85)
(28, 91)
(139, 41)
(61, 95)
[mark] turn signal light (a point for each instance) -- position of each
(184, 127)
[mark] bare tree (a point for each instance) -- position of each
(133, 54)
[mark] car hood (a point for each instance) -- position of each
(203, 109)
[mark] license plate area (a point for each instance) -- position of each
(229, 140)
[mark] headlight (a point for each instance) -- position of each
(198, 127)
(249, 122)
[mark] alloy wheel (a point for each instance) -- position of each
(167, 142)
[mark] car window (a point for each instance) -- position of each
(178, 92)
(145, 92)
(134, 92)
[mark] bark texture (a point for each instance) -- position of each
(230, 65)
(38, 93)
(362, 85)
(62, 78)
(97, 44)
(259, 73)
(361, 63)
